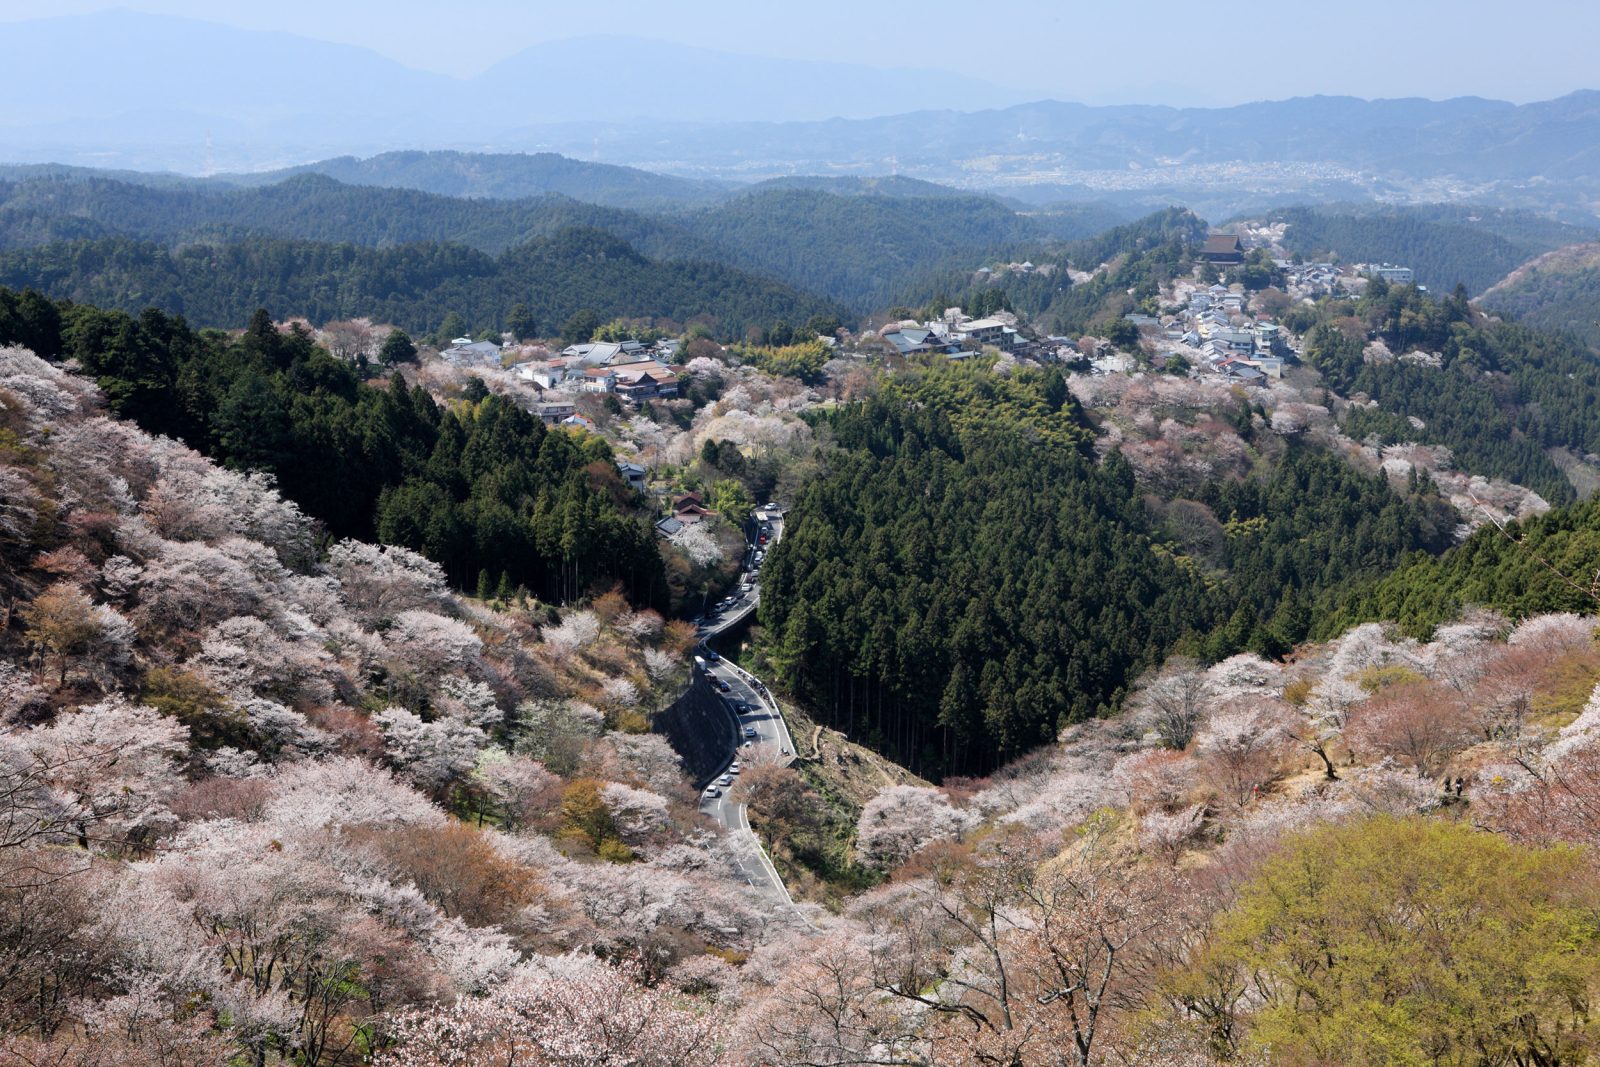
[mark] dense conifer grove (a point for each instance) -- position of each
(966, 578)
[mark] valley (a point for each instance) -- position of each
(799, 550)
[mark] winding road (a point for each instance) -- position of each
(756, 728)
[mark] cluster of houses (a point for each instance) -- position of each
(631, 370)
(1312, 281)
(687, 509)
(954, 333)
(1215, 329)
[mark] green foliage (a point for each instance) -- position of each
(979, 542)
(522, 324)
(1558, 295)
(863, 251)
(804, 360)
(1406, 942)
(858, 250)
(1542, 565)
(1123, 334)
(1503, 396)
(1174, 225)
(730, 499)
(1299, 534)
(414, 286)
(580, 327)
(397, 348)
(479, 487)
(964, 579)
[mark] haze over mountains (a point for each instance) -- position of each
(719, 117)
(114, 102)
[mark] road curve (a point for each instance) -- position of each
(756, 730)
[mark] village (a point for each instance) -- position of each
(1209, 334)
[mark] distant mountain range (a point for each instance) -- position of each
(864, 243)
(162, 93)
(122, 88)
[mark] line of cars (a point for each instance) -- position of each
(705, 662)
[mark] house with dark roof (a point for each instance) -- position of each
(633, 473)
(1224, 248)
(551, 412)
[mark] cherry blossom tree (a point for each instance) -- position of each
(577, 631)
(108, 767)
(379, 582)
(601, 1018)
(1422, 724)
(434, 755)
(902, 819)
(697, 543)
(638, 814)
(1174, 702)
(1242, 746)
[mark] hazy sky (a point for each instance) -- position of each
(1157, 51)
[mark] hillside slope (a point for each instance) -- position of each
(1559, 291)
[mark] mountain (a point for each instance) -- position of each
(861, 249)
(1322, 149)
(415, 286)
(506, 176)
(157, 91)
(314, 208)
(615, 77)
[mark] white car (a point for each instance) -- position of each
(726, 779)
(712, 792)
(733, 768)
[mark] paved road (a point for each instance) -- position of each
(756, 730)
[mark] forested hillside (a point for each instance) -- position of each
(863, 246)
(311, 207)
(1558, 292)
(861, 250)
(1140, 257)
(264, 793)
(1544, 564)
(1500, 396)
(506, 176)
(413, 286)
(965, 578)
(476, 487)
(1446, 245)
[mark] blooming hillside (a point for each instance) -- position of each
(264, 795)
